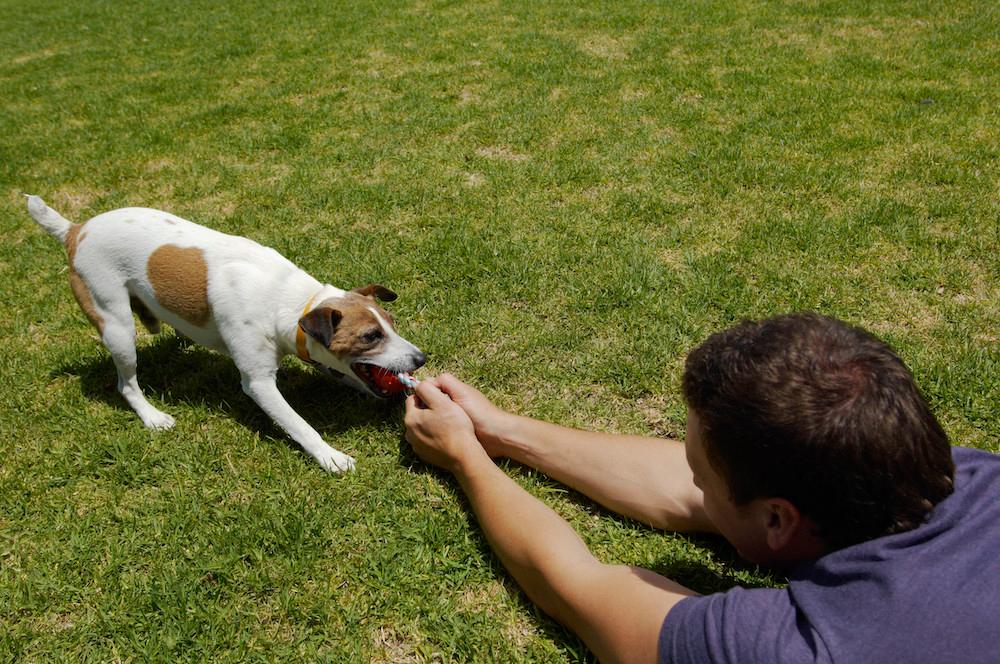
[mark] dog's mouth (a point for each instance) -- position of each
(381, 381)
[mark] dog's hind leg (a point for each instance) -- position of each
(117, 328)
(149, 321)
(119, 337)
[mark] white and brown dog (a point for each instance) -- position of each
(232, 295)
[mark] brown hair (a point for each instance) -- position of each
(821, 413)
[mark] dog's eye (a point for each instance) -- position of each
(372, 336)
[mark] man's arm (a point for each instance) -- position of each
(616, 610)
(646, 479)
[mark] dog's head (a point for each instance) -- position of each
(356, 337)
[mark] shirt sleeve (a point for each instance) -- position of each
(740, 626)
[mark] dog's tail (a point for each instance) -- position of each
(57, 225)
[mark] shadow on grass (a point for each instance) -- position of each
(175, 372)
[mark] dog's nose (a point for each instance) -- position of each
(419, 360)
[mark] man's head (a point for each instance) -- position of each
(805, 417)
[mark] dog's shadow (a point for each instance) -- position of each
(175, 372)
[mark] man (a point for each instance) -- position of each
(810, 449)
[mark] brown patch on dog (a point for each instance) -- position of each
(179, 278)
(73, 241)
(86, 301)
(80, 291)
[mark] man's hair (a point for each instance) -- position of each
(823, 414)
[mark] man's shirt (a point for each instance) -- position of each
(931, 594)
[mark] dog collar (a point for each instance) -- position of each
(300, 335)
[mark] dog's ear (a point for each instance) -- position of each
(378, 290)
(320, 324)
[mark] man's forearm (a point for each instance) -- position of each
(617, 610)
(646, 479)
(537, 547)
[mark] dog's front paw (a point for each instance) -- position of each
(334, 461)
(157, 420)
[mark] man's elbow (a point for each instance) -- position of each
(684, 515)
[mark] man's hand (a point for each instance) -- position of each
(439, 430)
(489, 421)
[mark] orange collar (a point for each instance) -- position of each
(300, 336)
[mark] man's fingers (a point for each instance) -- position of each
(431, 395)
(455, 388)
(447, 379)
(411, 405)
(448, 383)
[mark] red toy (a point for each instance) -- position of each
(390, 382)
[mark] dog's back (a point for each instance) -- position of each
(156, 264)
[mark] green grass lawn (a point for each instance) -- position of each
(568, 196)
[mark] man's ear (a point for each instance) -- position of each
(783, 524)
(378, 290)
(320, 324)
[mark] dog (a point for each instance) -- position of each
(232, 295)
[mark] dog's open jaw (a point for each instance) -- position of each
(380, 381)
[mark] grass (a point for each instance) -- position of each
(568, 197)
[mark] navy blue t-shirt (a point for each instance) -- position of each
(931, 594)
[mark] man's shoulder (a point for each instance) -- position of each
(973, 453)
(897, 591)
(977, 486)
(971, 456)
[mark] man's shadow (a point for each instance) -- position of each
(175, 372)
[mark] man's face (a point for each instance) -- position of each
(743, 525)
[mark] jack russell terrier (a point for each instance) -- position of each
(232, 295)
